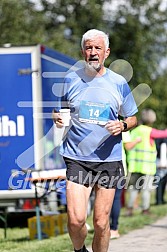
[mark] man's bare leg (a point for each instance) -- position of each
(102, 207)
(77, 202)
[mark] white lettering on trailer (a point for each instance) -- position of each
(12, 128)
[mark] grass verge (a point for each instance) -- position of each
(18, 239)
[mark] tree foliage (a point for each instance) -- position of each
(69, 19)
(20, 23)
(138, 34)
(157, 101)
(137, 30)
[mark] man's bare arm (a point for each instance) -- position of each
(116, 127)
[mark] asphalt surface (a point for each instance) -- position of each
(151, 238)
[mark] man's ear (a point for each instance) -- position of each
(107, 53)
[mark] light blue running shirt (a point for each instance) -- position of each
(93, 102)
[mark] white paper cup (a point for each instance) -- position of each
(65, 113)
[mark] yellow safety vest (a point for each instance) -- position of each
(142, 158)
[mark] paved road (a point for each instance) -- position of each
(151, 238)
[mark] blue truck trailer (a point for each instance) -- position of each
(27, 76)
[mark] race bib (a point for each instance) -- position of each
(96, 113)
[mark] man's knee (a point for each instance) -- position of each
(76, 223)
(100, 225)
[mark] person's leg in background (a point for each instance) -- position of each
(132, 192)
(115, 213)
(146, 193)
(160, 190)
(158, 195)
(164, 183)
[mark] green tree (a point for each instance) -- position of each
(57, 24)
(138, 34)
(21, 23)
(68, 20)
(157, 100)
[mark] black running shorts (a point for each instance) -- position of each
(104, 174)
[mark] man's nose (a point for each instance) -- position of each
(93, 51)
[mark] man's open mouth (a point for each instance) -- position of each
(93, 60)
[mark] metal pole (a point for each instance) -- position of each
(38, 215)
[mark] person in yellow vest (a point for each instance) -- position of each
(142, 161)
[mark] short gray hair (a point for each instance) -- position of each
(93, 33)
(148, 116)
